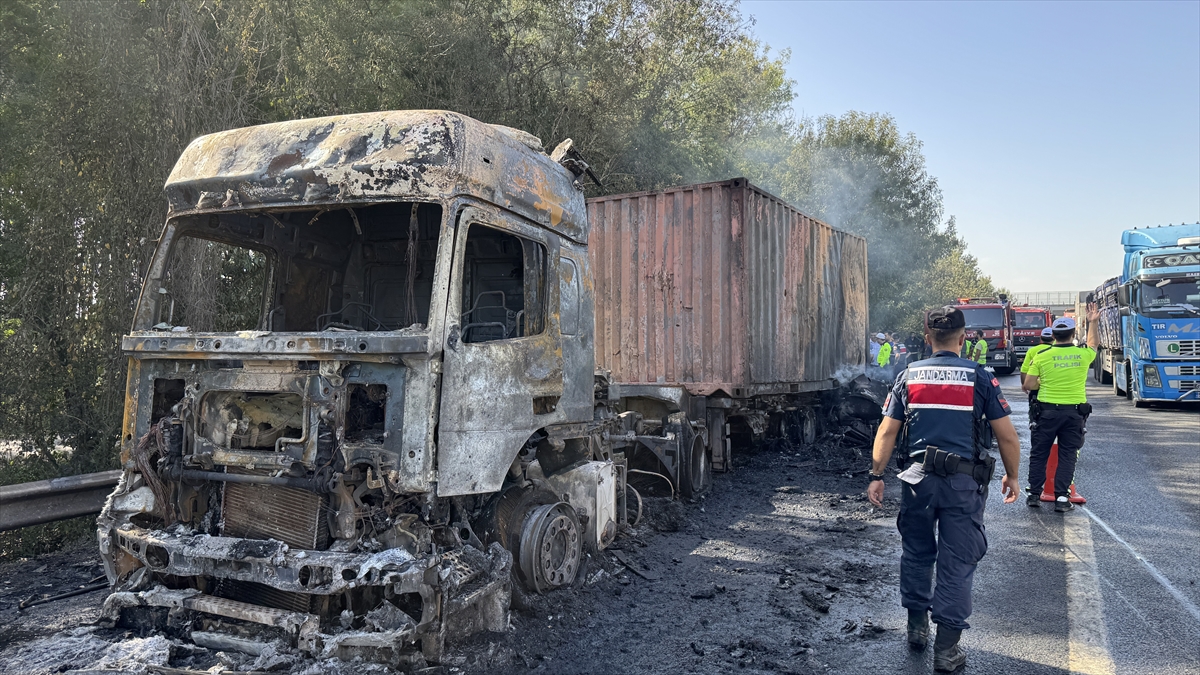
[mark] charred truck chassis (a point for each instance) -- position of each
(362, 398)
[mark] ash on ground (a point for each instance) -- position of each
(783, 567)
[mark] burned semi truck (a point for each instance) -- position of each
(363, 397)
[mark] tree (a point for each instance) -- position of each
(859, 173)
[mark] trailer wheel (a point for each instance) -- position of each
(801, 426)
(695, 473)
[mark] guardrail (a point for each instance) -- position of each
(46, 501)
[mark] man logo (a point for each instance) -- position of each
(1175, 328)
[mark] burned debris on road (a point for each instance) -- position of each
(782, 567)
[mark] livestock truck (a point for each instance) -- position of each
(385, 365)
(1028, 323)
(1148, 318)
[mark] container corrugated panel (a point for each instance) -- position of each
(723, 287)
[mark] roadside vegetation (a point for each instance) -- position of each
(98, 98)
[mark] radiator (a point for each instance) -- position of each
(295, 517)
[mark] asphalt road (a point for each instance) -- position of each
(785, 569)
(1109, 589)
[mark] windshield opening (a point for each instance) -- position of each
(367, 268)
(983, 317)
(1030, 320)
(213, 287)
(1169, 296)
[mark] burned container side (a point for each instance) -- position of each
(660, 317)
(722, 287)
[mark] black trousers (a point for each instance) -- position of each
(1066, 428)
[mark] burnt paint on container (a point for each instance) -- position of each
(723, 287)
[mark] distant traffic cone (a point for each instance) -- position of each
(1048, 488)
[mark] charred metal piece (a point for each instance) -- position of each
(90, 588)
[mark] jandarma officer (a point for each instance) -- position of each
(938, 408)
(1059, 376)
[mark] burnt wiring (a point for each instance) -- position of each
(151, 444)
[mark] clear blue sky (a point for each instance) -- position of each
(1051, 127)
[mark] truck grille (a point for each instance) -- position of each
(1189, 385)
(1189, 370)
(295, 517)
(261, 594)
(1189, 347)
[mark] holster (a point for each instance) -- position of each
(1084, 409)
(984, 471)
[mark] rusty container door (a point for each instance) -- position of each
(723, 287)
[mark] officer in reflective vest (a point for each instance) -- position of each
(1047, 340)
(937, 408)
(977, 349)
(884, 358)
(1059, 376)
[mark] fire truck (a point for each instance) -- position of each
(1028, 323)
(995, 317)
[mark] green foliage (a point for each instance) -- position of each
(859, 173)
(99, 97)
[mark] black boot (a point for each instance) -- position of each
(947, 655)
(1033, 501)
(918, 629)
(1062, 505)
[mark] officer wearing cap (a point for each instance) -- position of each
(1047, 340)
(938, 409)
(1059, 376)
(884, 358)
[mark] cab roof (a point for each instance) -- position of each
(409, 155)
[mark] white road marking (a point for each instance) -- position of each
(1087, 636)
(1187, 605)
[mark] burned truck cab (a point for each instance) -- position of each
(360, 392)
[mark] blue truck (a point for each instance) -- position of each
(1148, 318)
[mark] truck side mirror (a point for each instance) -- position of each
(1123, 297)
(1124, 310)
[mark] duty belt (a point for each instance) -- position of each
(1061, 406)
(942, 463)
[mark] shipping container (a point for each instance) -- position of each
(724, 288)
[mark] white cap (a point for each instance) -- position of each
(880, 336)
(1065, 323)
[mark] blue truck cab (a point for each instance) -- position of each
(1158, 303)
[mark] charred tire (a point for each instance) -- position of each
(801, 426)
(551, 548)
(695, 469)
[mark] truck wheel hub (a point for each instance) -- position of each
(551, 547)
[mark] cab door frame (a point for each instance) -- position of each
(491, 392)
